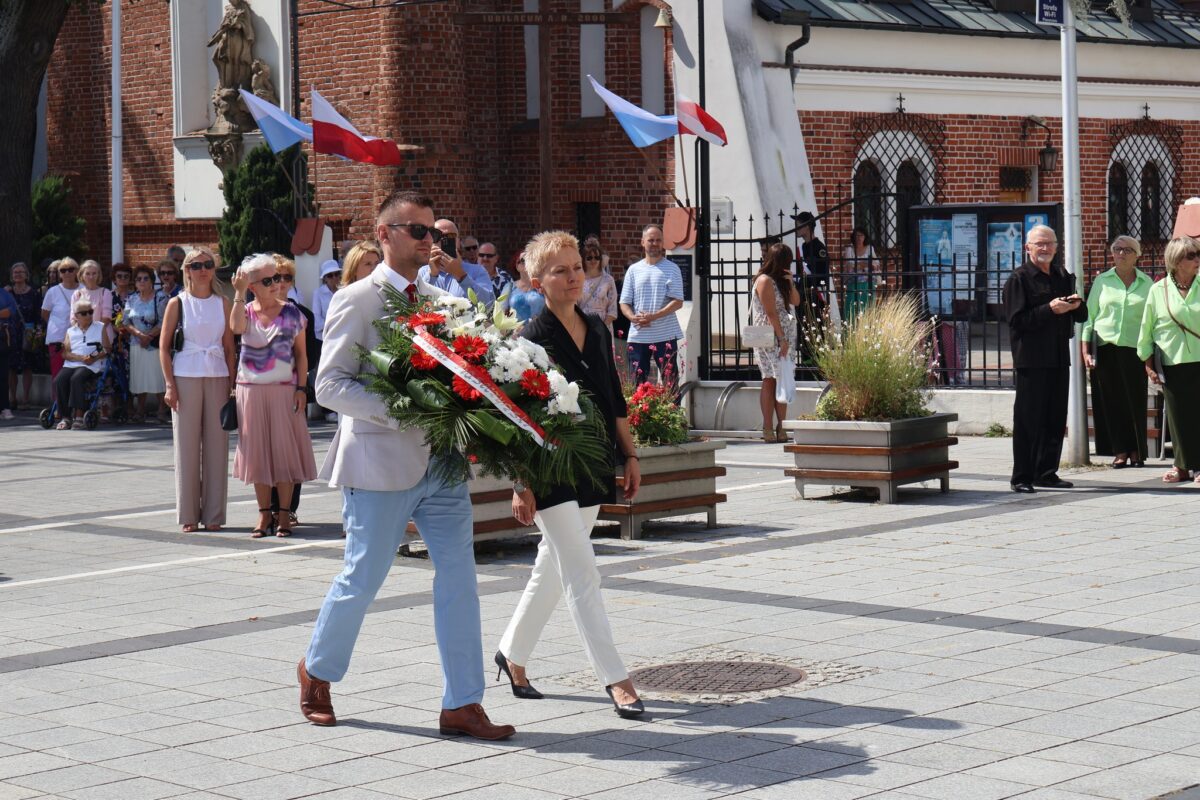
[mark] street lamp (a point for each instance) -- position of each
(1048, 155)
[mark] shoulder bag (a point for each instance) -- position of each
(177, 337)
(756, 336)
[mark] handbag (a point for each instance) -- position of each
(756, 336)
(177, 337)
(229, 415)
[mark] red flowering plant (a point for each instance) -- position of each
(655, 417)
(487, 399)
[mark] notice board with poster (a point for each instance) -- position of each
(981, 242)
(684, 262)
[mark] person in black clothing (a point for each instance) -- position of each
(812, 281)
(582, 348)
(1042, 308)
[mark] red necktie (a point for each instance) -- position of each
(411, 291)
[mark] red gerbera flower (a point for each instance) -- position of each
(535, 384)
(422, 360)
(427, 318)
(465, 390)
(472, 348)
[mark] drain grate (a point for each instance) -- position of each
(715, 677)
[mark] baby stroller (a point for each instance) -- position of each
(110, 382)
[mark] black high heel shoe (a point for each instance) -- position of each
(526, 692)
(628, 710)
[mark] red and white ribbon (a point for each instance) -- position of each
(478, 378)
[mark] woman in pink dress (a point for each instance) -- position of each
(274, 449)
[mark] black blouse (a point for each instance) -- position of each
(596, 371)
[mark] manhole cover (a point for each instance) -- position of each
(715, 677)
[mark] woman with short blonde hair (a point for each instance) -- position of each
(274, 450)
(1171, 324)
(85, 348)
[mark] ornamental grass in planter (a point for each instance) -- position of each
(872, 427)
(877, 365)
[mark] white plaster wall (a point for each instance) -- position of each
(829, 90)
(197, 179)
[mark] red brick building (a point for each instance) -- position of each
(420, 75)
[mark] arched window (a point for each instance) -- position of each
(1118, 201)
(868, 212)
(1151, 202)
(909, 193)
(1145, 160)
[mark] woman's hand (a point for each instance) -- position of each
(524, 506)
(633, 478)
(171, 398)
(783, 347)
(299, 399)
(241, 282)
(1089, 360)
(1152, 375)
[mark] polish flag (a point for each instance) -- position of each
(333, 134)
(695, 120)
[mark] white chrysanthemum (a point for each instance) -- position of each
(566, 395)
(458, 304)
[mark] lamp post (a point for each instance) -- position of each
(703, 220)
(1077, 431)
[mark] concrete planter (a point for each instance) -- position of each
(877, 455)
(676, 480)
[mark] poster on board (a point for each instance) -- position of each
(1035, 219)
(937, 261)
(1004, 242)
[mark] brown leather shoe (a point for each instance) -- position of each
(315, 703)
(472, 720)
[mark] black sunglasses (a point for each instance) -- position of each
(270, 280)
(418, 231)
(164, 274)
(470, 247)
(487, 255)
(65, 270)
(285, 278)
(82, 313)
(196, 266)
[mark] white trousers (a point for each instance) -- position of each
(565, 564)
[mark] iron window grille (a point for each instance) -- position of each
(1143, 179)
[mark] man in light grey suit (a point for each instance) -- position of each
(386, 480)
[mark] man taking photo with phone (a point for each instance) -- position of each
(447, 271)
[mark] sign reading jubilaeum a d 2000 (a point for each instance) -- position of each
(1051, 12)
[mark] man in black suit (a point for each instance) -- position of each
(1042, 309)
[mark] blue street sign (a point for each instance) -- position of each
(1051, 12)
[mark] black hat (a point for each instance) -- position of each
(804, 218)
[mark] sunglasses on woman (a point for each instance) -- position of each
(83, 313)
(270, 280)
(285, 277)
(66, 270)
(195, 266)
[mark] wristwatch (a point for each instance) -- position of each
(519, 487)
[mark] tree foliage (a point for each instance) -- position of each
(260, 204)
(57, 230)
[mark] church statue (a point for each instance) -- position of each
(260, 83)
(234, 43)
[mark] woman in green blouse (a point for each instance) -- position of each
(1171, 322)
(1115, 304)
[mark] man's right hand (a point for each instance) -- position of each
(1062, 305)
(438, 261)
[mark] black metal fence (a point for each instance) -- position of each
(970, 342)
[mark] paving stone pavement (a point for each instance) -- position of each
(997, 645)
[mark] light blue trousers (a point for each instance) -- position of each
(375, 523)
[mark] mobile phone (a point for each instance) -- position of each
(449, 245)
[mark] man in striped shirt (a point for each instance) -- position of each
(650, 295)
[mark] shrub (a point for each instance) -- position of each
(57, 230)
(877, 365)
(260, 212)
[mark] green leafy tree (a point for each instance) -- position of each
(260, 204)
(57, 230)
